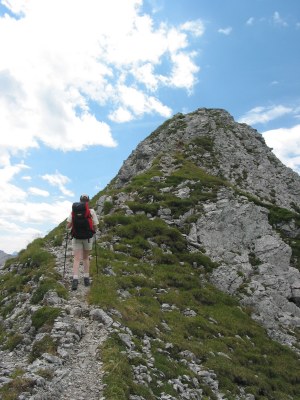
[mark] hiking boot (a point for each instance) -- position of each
(74, 284)
(86, 281)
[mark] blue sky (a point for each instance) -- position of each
(82, 82)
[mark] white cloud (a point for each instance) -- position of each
(20, 220)
(13, 237)
(225, 31)
(278, 20)
(137, 103)
(184, 71)
(286, 145)
(121, 115)
(8, 191)
(196, 27)
(56, 61)
(250, 21)
(264, 114)
(59, 58)
(60, 181)
(38, 192)
(23, 222)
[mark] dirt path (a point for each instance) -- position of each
(79, 372)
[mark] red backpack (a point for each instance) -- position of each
(82, 222)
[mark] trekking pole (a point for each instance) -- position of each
(96, 252)
(66, 253)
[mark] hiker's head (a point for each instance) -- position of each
(84, 198)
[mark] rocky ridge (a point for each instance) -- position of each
(255, 257)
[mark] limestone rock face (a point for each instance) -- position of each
(236, 233)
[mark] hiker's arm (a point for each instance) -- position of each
(69, 222)
(95, 220)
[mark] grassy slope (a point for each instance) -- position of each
(150, 260)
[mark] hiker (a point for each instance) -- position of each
(83, 224)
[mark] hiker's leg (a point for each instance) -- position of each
(77, 257)
(77, 245)
(87, 247)
(86, 262)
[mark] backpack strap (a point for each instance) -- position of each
(88, 215)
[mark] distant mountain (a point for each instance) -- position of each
(196, 279)
(4, 256)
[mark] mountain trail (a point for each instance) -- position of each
(79, 375)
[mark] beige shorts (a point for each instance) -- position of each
(82, 244)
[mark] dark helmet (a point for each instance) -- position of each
(84, 198)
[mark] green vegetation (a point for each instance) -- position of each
(138, 231)
(173, 125)
(45, 286)
(13, 341)
(45, 345)
(204, 143)
(45, 317)
(220, 334)
(107, 207)
(35, 264)
(155, 280)
(117, 369)
(13, 389)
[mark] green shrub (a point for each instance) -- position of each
(45, 345)
(13, 389)
(198, 259)
(107, 207)
(151, 208)
(118, 373)
(45, 286)
(204, 143)
(278, 215)
(117, 219)
(36, 255)
(45, 317)
(104, 292)
(13, 341)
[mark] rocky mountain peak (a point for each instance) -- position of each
(212, 140)
(242, 207)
